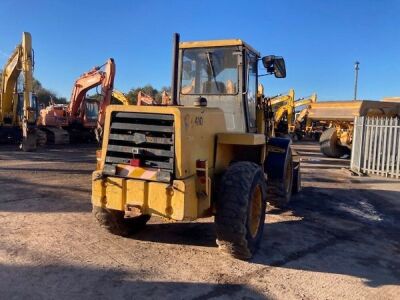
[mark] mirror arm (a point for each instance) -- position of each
(264, 74)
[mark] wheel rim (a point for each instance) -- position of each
(255, 211)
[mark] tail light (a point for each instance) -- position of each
(202, 176)
(135, 162)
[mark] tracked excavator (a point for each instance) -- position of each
(19, 109)
(83, 118)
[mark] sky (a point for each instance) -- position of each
(320, 40)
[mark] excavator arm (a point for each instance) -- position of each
(120, 97)
(144, 99)
(305, 101)
(283, 105)
(301, 102)
(107, 87)
(282, 99)
(87, 81)
(82, 85)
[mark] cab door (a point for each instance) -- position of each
(250, 95)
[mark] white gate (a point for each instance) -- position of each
(376, 146)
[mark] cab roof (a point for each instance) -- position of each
(217, 43)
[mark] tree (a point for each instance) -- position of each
(45, 96)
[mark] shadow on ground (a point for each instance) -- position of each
(332, 231)
(60, 282)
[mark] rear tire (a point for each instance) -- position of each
(241, 208)
(115, 222)
(328, 144)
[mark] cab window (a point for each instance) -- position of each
(209, 71)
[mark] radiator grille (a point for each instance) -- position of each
(144, 136)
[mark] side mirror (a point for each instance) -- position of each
(275, 64)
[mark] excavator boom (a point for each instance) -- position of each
(19, 111)
(144, 99)
(120, 97)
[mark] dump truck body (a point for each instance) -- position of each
(340, 115)
(347, 110)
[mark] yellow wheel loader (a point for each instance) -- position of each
(209, 153)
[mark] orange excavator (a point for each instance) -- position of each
(83, 118)
(145, 99)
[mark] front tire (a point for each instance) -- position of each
(241, 209)
(328, 144)
(114, 221)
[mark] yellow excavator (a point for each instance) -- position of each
(19, 109)
(287, 122)
(302, 124)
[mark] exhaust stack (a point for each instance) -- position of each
(175, 57)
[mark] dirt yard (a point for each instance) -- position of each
(340, 239)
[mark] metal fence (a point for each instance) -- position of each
(376, 146)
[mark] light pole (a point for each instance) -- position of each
(356, 68)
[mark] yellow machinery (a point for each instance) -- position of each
(337, 118)
(208, 153)
(301, 125)
(19, 110)
(118, 95)
(286, 123)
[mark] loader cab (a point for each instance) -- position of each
(225, 73)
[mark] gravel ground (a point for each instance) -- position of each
(340, 239)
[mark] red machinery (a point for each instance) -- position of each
(144, 99)
(83, 115)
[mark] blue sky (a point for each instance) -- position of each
(320, 40)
